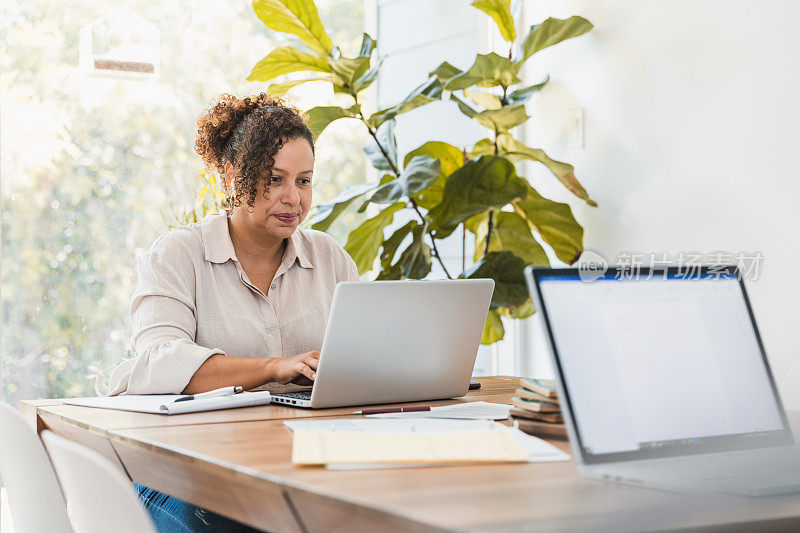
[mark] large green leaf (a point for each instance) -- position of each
(419, 173)
(425, 93)
(388, 142)
(369, 76)
(552, 31)
(505, 269)
(414, 262)
(281, 87)
(565, 172)
(364, 242)
(319, 117)
(484, 99)
(450, 159)
(391, 244)
(488, 70)
(510, 232)
(484, 182)
(555, 222)
(328, 212)
(284, 60)
(348, 70)
(500, 11)
(497, 120)
(444, 72)
(520, 96)
(504, 119)
(368, 44)
(298, 17)
(493, 329)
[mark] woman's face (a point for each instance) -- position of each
(289, 198)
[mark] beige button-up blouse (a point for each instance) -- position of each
(193, 300)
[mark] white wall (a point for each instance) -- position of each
(691, 116)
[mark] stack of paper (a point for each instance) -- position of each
(382, 443)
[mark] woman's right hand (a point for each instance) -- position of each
(300, 369)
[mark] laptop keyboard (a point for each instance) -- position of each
(702, 467)
(302, 395)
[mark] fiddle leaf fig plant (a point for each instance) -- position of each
(445, 187)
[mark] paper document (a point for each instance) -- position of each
(341, 447)
(370, 443)
(163, 404)
(467, 410)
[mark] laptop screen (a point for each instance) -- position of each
(660, 364)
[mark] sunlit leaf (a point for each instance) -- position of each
(481, 183)
(510, 232)
(320, 117)
(565, 172)
(552, 31)
(555, 222)
(298, 17)
(388, 147)
(505, 269)
(488, 70)
(284, 60)
(369, 76)
(364, 241)
(498, 120)
(520, 96)
(484, 99)
(500, 11)
(420, 172)
(368, 44)
(444, 72)
(425, 93)
(415, 261)
(348, 70)
(391, 244)
(281, 88)
(450, 159)
(327, 212)
(493, 329)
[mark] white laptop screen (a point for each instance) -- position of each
(660, 365)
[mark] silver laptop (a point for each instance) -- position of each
(398, 341)
(664, 381)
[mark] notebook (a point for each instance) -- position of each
(163, 404)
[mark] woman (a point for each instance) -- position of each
(241, 298)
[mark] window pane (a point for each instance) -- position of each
(95, 168)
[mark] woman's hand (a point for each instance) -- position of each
(300, 369)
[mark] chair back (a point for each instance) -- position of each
(100, 497)
(34, 496)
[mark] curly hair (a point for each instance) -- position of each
(247, 132)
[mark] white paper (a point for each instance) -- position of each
(467, 410)
(537, 449)
(164, 404)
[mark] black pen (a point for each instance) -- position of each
(224, 391)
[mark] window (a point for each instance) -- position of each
(94, 168)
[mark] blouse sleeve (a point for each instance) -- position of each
(163, 316)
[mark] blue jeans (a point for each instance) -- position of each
(171, 515)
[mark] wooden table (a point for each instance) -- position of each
(237, 463)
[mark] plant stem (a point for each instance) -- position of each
(413, 203)
(488, 233)
(463, 247)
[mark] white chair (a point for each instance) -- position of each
(99, 496)
(34, 497)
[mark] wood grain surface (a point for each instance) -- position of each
(238, 463)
